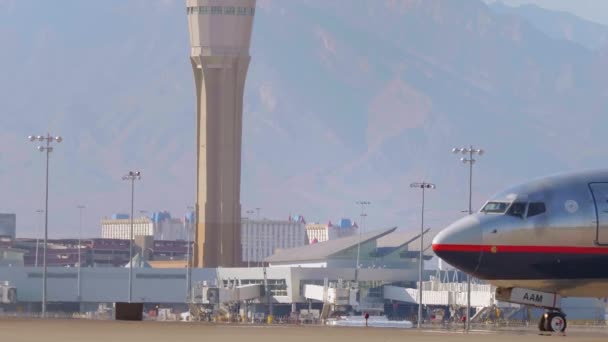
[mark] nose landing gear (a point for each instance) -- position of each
(553, 321)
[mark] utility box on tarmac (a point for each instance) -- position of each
(128, 311)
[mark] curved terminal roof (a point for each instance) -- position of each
(323, 250)
(397, 240)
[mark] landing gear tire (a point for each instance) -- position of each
(554, 321)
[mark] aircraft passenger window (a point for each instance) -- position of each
(536, 208)
(517, 209)
(495, 207)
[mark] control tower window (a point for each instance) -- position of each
(203, 10)
(252, 11)
(229, 10)
(517, 209)
(536, 208)
(495, 207)
(216, 10)
(242, 10)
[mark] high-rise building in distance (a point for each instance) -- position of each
(220, 35)
(159, 225)
(321, 232)
(8, 225)
(262, 238)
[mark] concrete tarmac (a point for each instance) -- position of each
(17, 330)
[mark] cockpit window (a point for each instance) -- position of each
(536, 208)
(495, 207)
(517, 209)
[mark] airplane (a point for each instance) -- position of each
(537, 242)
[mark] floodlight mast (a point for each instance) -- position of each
(423, 186)
(45, 147)
(132, 176)
(470, 160)
(363, 215)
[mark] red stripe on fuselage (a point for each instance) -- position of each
(519, 249)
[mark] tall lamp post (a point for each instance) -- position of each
(39, 211)
(423, 186)
(249, 239)
(363, 215)
(188, 258)
(470, 151)
(45, 147)
(80, 209)
(132, 176)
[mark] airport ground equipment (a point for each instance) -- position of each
(223, 300)
(8, 293)
(553, 320)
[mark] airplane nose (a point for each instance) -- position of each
(459, 244)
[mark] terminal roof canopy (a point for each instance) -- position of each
(385, 247)
(397, 240)
(323, 250)
(400, 238)
(138, 261)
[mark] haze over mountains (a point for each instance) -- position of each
(346, 100)
(558, 24)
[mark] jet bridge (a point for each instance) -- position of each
(230, 294)
(8, 293)
(438, 293)
(332, 293)
(335, 296)
(210, 300)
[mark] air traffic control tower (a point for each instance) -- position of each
(220, 34)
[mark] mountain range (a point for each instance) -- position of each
(346, 100)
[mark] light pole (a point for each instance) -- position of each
(39, 211)
(470, 160)
(267, 293)
(49, 139)
(249, 240)
(258, 219)
(258, 210)
(132, 176)
(423, 186)
(188, 259)
(363, 216)
(80, 209)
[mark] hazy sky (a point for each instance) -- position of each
(594, 10)
(335, 110)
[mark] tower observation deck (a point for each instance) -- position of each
(220, 35)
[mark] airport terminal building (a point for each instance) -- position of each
(385, 281)
(384, 259)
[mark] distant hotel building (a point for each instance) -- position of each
(262, 238)
(160, 225)
(8, 224)
(93, 252)
(319, 232)
(120, 228)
